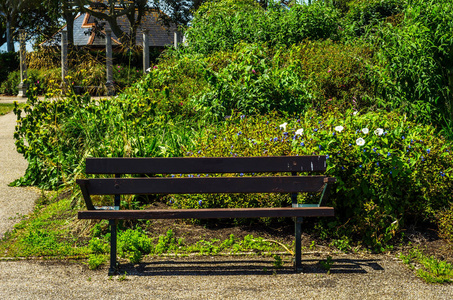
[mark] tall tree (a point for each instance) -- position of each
(36, 17)
(175, 12)
(2, 29)
(10, 9)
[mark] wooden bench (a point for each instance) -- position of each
(233, 181)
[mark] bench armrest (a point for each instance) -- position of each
(83, 183)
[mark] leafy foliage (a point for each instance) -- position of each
(389, 170)
(56, 134)
(219, 25)
(429, 268)
(414, 61)
(9, 62)
(445, 223)
(367, 16)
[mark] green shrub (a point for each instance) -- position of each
(56, 134)
(9, 62)
(132, 244)
(34, 79)
(93, 79)
(402, 171)
(363, 14)
(445, 223)
(220, 25)
(95, 260)
(254, 78)
(413, 65)
(9, 86)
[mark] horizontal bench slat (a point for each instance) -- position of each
(208, 213)
(204, 185)
(185, 165)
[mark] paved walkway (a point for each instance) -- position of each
(11, 99)
(14, 202)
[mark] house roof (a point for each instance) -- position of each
(159, 35)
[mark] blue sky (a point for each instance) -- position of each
(16, 47)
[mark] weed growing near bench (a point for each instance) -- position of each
(430, 269)
(133, 244)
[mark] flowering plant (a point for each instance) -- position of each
(380, 179)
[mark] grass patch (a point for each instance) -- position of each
(50, 231)
(430, 269)
(6, 108)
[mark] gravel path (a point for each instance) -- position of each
(352, 276)
(14, 202)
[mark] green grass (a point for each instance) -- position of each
(47, 232)
(6, 108)
(429, 268)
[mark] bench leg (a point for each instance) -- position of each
(113, 270)
(298, 250)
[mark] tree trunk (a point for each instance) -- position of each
(9, 38)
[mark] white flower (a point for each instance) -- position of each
(299, 131)
(148, 70)
(379, 131)
(339, 128)
(360, 142)
(283, 126)
(365, 130)
(355, 113)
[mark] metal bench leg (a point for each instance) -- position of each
(298, 250)
(113, 270)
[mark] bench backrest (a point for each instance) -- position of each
(202, 182)
(187, 165)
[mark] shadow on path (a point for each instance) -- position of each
(245, 267)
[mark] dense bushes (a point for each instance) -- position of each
(35, 79)
(364, 16)
(445, 223)
(9, 62)
(86, 69)
(408, 42)
(389, 170)
(415, 61)
(254, 78)
(220, 25)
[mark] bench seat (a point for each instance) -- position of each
(208, 213)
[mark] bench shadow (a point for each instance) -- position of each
(245, 267)
(344, 266)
